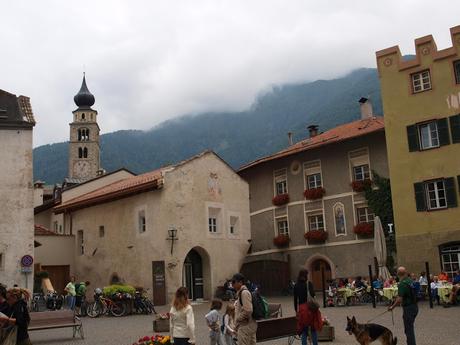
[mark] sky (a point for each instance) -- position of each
(150, 61)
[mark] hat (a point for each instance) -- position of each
(238, 277)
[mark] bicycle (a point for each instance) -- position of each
(103, 305)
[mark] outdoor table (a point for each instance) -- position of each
(390, 293)
(346, 292)
(443, 292)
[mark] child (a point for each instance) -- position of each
(229, 324)
(212, 320)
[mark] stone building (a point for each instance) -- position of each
(309, 187)
(421, 101)
(186, 224)
(16, 190)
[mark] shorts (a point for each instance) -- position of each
(78, 301)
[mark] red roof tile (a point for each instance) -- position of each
(334, 135)
(115, 190)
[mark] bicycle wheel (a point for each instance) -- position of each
(94, 309)
(117, 309)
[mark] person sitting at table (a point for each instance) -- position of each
(388, 283)
(377, 283)
(423, 280)
(443, 277)
(359, 283)
(434, 289)
(455, 293)
(456, 279)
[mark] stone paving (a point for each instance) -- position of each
(439, 326)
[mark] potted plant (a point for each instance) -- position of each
(280, 199)
(364, 229)
(327, 332)
(316, 236)
(281, 241)
(314, 193)
(161, 323)
(360, 186)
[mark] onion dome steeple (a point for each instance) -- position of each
(84, 98)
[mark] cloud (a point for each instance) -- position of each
(148, 61)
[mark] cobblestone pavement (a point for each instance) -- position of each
(439, 326)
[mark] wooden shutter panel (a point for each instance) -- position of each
(420, 200)
(412, 138)
(443, 132)
(455, 128)
(451, 195)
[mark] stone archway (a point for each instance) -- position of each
(196, 274)
(315, 264)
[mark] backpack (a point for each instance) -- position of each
(259, 306)
(77, 288)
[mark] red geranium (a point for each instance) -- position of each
(360, 186)
(280, 199)
(314, 193)
(316, 236)
(281, 241)
(365, 229)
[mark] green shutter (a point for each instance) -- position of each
(451, 195)
(412, 138)
(443, 132)
(458, 182)
(420, 201)
(455, 128)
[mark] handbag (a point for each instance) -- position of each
(8, 335)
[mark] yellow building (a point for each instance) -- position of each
(421, 102)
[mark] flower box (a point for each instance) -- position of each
(364, 229)
(314, 193)
(161, 323)
(360, 186)
(281, 241)
(327, 333)
(316, 236)
(280, 199)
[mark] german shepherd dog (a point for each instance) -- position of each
(370, 332)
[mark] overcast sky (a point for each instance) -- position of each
(148, 61)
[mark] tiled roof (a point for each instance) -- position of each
(40, 230)
(26, 108)
(334, 135)
(15, 112)
(116, 190)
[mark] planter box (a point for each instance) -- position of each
(315, 241)
(161, 326)
(326, 334)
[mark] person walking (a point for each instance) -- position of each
(212, 320)
(229, 325)
(71, 294)
(245, 325)
(80, 296)
(181, 319)
(3, 302)
(408, 299)
(303, 292)
(17, 314)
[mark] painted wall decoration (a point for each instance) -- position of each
(214, 189)
(453, 101)
(339, 219)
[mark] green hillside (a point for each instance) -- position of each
(237, 137)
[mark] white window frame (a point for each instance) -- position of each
(368, 216)
(366, 175)
(215, 211)
(433, 135)
(280, 220)
(452, 251)
(142, 222)
(212, 225)
(357, 158)
(437, 197)
(421, 81)
(344, 219)
(280, 176)
(234, 221)
(317, 181)
(316, 222)
(312, 168)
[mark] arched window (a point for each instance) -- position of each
(83, 134)
(85, 153)
(83, 116)
(80, 152)
(450, 257)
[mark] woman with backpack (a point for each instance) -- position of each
(17, 314)
(309, 320)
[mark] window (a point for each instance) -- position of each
(141, 221)
(212, 225)
(314, 181)
(80, 242)
(281, 182)
(85, 153)
(101, 231)
(450, 258)
(234, 221)
(421, 81)
(361, 172)
(2, 259)
(457, 71)
(55, 225)
(428, 135)
(282, 226)
(316, 222)
(364, 215)
(83, 116)
(455, 128)
(83, 134)
(436, 195)
(60, 228)
(80, 152)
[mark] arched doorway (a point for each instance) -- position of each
(316, 267)
(192, 275)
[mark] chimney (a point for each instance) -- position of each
(313, 130)
(290, 138)
(366, 108)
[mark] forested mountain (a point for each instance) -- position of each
(238, 137)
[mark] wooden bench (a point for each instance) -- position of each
(56, 319)
(277, 328)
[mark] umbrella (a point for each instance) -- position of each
(380, 249)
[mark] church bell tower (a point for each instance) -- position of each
(84, 150)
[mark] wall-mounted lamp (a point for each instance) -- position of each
(172, 236)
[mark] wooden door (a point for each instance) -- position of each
(316, 273)
(59, 276)
(159, 282)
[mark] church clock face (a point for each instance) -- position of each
(82, 169)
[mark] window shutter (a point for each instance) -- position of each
(451, 195)
(412, 138)
(455, 128)
(443, 132)
(420, 201)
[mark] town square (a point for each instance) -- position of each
(230, 173)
